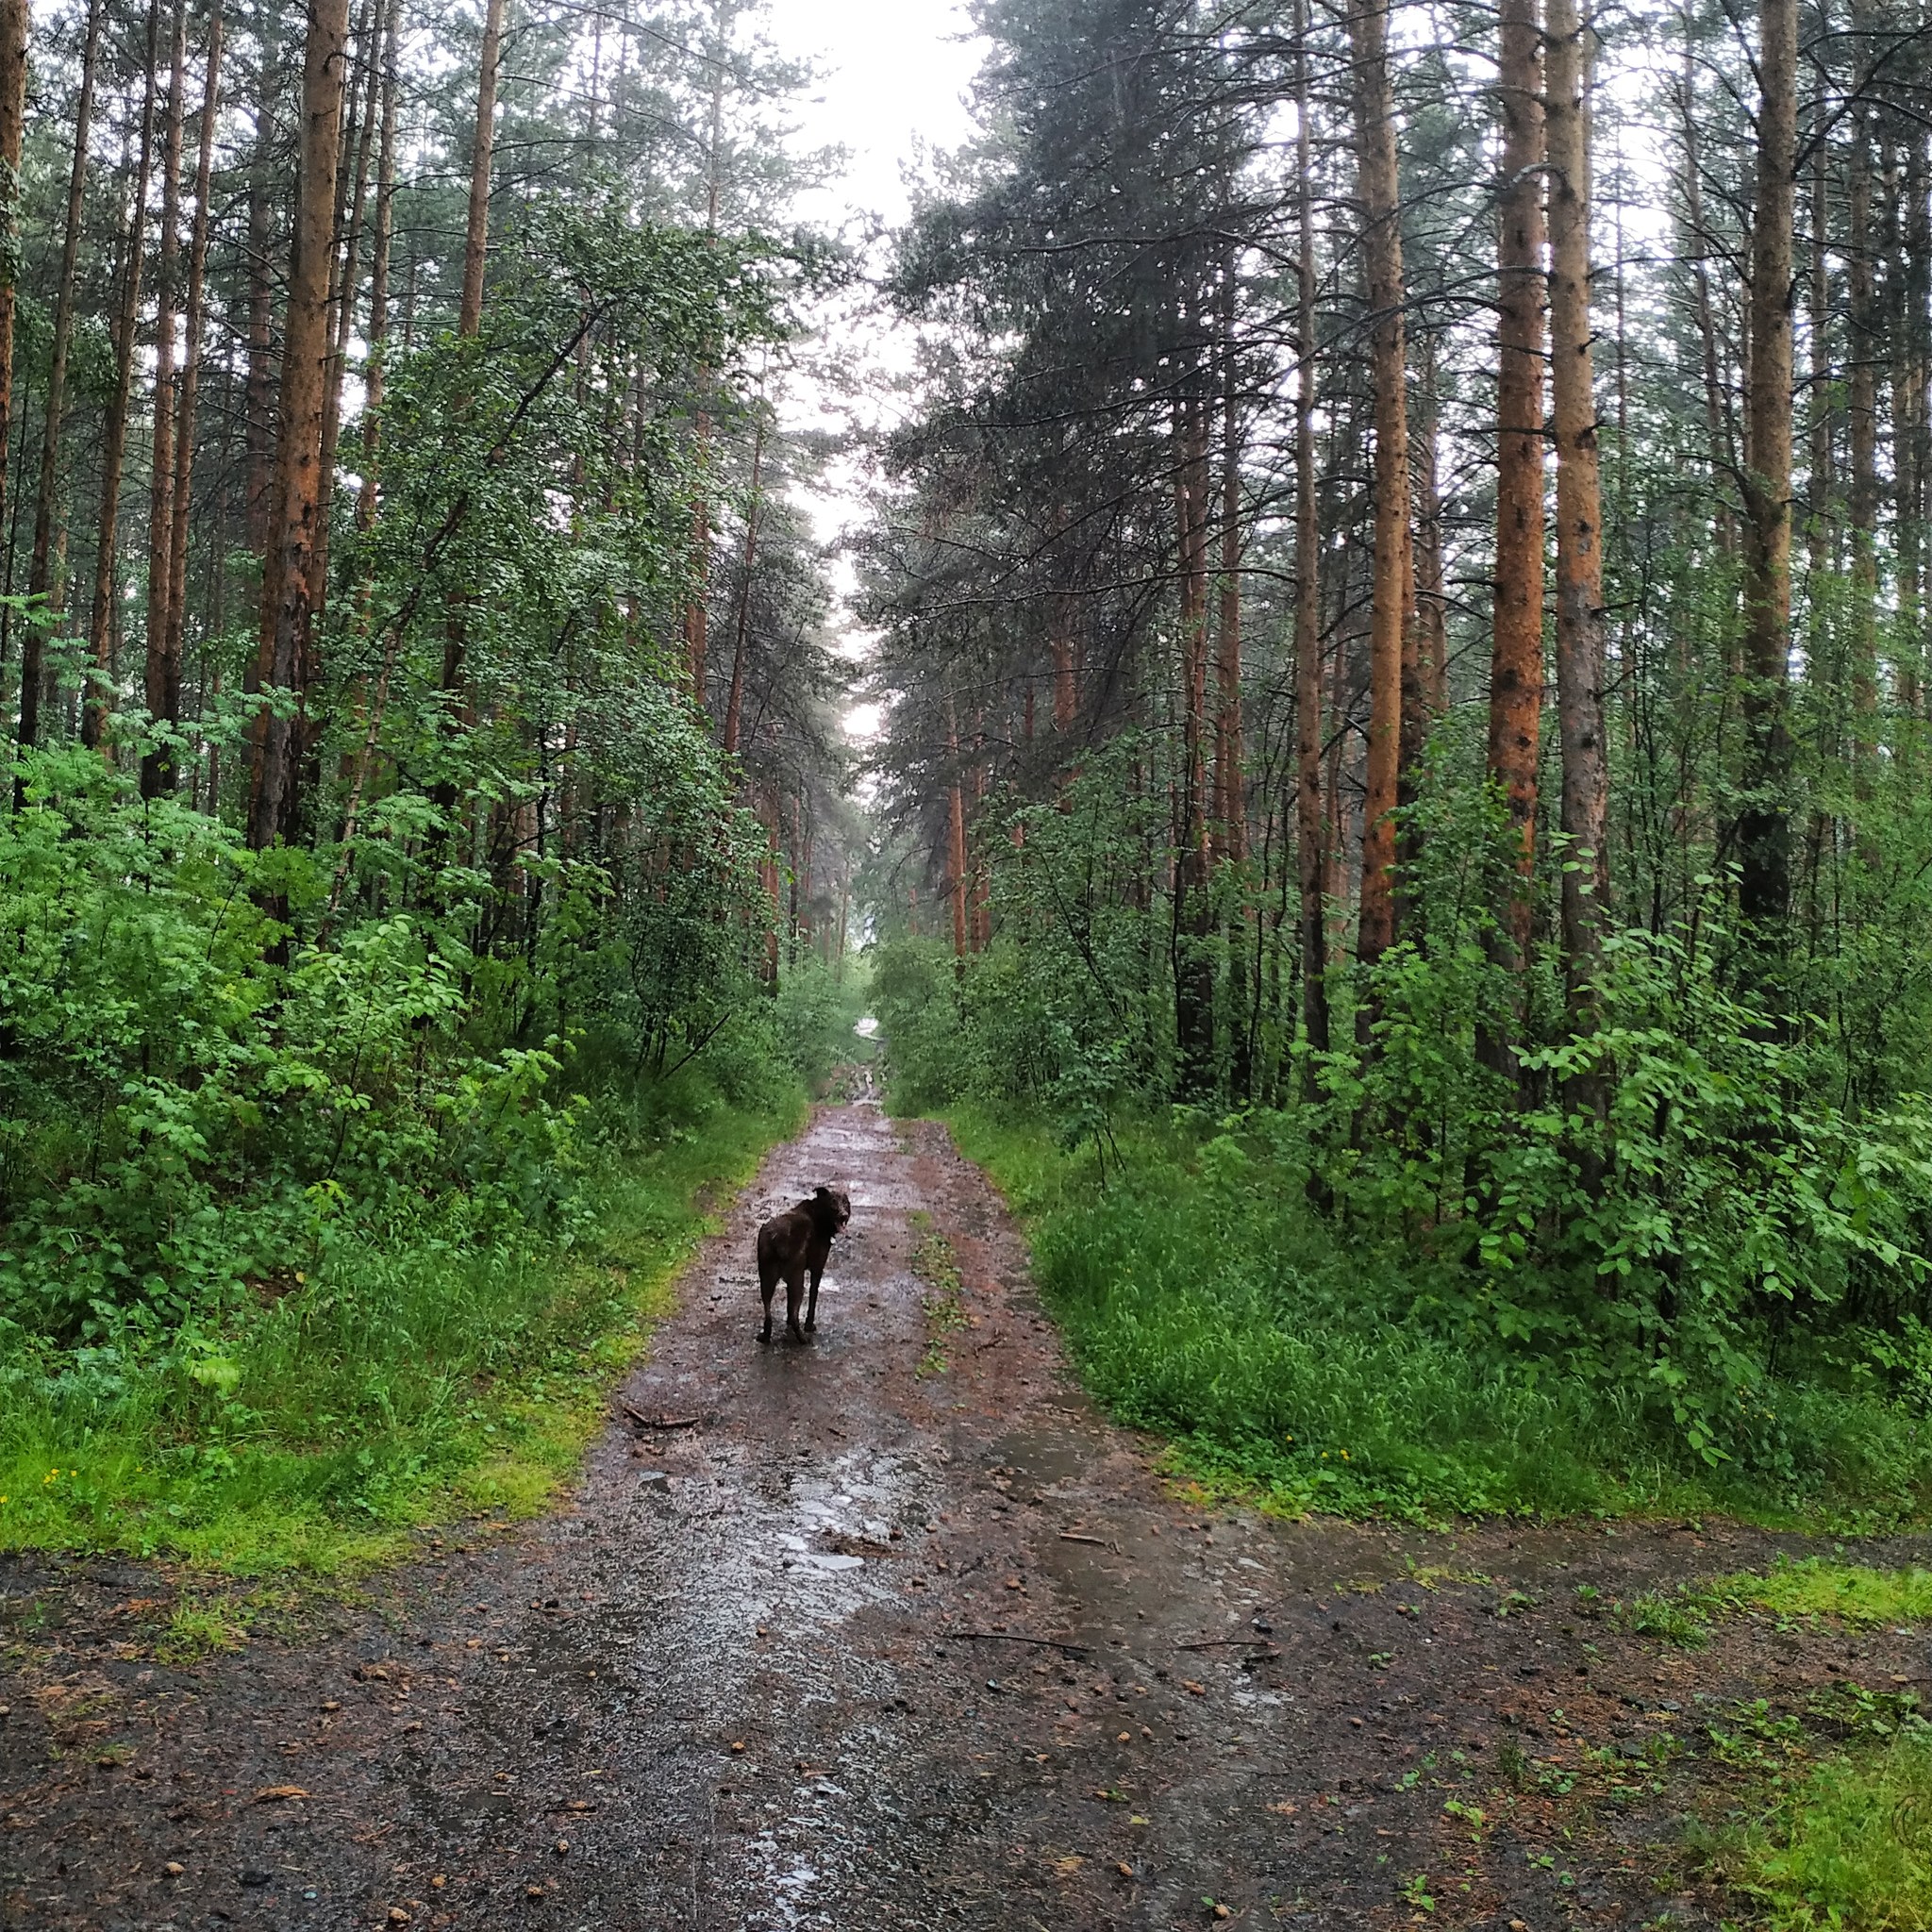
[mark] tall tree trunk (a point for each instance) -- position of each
(1579, 521)
(39, 581)
(1716, 413)
(482, 151)
(347, 277)
(101, 627)
(13, 38)
(955, 834)
(1379, 194)
(1229, 804)
(260, 394)
(1516, 661)
(734, 705)
(285, 656)
(1431, 600)
(373, 370)
(182, 491)
(1311, 845)
(1864, 349)
(1763, 830)
(162, 682)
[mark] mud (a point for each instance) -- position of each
(895, 1632)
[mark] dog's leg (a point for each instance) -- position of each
(767, 1282)
(812, 1307)
(795, 1295)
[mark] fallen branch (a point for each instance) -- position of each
(1074, 1536)
(658, 1422)
(1227, 1642)
(1008, 1636)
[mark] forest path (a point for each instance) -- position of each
(899, 1634)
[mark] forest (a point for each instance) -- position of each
(427, 814)
(1273, 737)
(1367, 743)
(1402, 602)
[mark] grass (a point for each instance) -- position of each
(1202, 1301)
(1854, 1593)
(1849, 1847)
(401, 1384)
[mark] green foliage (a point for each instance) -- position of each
(437, 1363)
(1206, 1298)
(1849, 1848)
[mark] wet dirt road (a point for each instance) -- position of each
(896, 1633)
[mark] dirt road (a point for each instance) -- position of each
(897, 1634)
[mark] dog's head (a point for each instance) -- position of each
(831, 1208)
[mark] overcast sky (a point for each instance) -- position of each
(893, 71)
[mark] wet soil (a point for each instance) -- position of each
(892, 1630)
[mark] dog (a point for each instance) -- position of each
(795, 1244)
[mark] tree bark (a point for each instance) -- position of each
(285, 658)
(1310, 832)
(1516, 661)
(13, 39)
(1865, 347)
(181, 494)
(1229, 804)
(372, 368)
(1763, 829)
(734, 706)
(260, 395)
(1579, 522)
(1379, 194)
(162, 680)
(39, 582)
(101, 624)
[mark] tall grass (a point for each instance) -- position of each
(421, 1370)
(1204, 1300)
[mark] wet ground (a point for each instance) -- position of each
(893, 1631)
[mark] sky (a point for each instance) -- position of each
(893, 73)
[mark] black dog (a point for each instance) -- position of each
(794, 1244)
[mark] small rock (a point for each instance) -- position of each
(252, 1878)
(333, 1704)
(174, 1868)
(437, 1883)
(533, 1892)
(561, 1846)
(737, 1743)
(397, 1916)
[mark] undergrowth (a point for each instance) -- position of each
(1203, 1300)
(438, 1366)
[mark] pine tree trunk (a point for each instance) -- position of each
(1310, 831)
(1763, 830)
(181, 494)
(734, 706)
(373, 370)
(1378, 191)
(955, 835)
(1580, 522)
(482, 151)
(1229, 803)
(14, 39)
(1864, 351)
(1516, 661)
(260, 397)
(101, 627)
(285, 656)
(39, 580)
(162, 680)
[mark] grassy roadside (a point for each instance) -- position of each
(1201, 1304)
(448, 1372)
